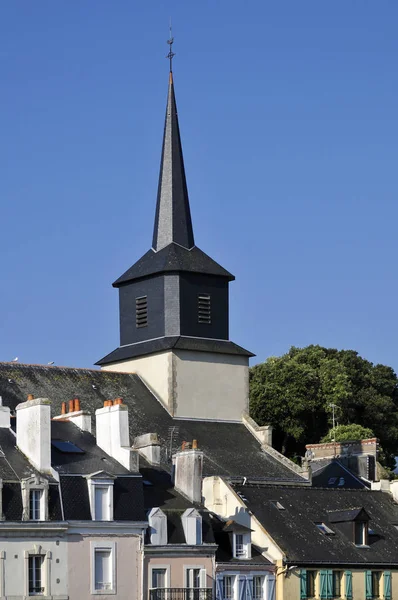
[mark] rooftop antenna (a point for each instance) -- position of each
(171, 54)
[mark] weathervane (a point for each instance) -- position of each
(171, 54)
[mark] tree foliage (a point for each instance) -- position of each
(348, 433)
(294, 393)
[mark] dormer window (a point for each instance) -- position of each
(192, 525)
(35, 505)
(361, 533)
(157, 527)
(35, 499)
(100, 488)
(241, 545)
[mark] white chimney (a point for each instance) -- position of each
(34, 431)
(4, 415)
(188, 467)
(112, 431)
(148, 446)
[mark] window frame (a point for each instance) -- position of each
(33, 558)
(107, 547)
(33, 501)
(364, 533)
(38, 550)
(202, 576)
(31, 484)
(377, 578)
(234, 579)
(93, 484)
(156, 567)
(246, 545)
(262, 586)
(311, 574)
(337, 577)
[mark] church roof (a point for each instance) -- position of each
(173, 258)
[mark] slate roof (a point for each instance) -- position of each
(173, 258)
(176, 343)
(332, 474)
(294, 529)
(219, 441)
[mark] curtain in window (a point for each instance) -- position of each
(348, 585)
(368, 585)
(303, 584)
(271, 587)
(387, 585)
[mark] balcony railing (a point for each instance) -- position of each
(181, 594)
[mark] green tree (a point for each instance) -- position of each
(295, 392)
(348, 433)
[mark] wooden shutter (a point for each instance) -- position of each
(348, 585)
(323, 582)
(219, 589)
(242, 588)
(202, 578)
(329, 584)
(303, 584)
(368, 585)
(387, 585)
(271, 587)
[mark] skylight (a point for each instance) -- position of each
(66, 447)
(332, 480)
(324, 529)
(278, 505)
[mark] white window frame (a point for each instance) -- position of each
(107, 547)
(154, 567)
(202, 576)
(100, 483)
(46, 579)
(246, 543)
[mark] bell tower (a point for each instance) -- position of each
(173, 305)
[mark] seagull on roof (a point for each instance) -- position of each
(15, 359)
(10, 381)
(94, 386)
(50, 363)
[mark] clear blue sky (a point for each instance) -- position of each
(288, 112)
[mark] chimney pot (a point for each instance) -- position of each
(31, 397)
(63, 408)
(118, 401)
(194, 444)
(76, 404)
(71, 406)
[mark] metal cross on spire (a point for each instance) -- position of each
(171, 54)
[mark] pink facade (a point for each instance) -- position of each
(176, 567)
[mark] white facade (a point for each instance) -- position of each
(194, 385)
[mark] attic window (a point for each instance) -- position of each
(66, 447)
(278, 505)
(204, 308)
(324, 529)
(360, 530)
(141, 311)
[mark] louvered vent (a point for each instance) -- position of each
(204, 308)
(141, 311)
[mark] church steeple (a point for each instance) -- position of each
(173, 216)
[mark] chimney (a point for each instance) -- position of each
(113, 436)
(80, 418)
(4, 415)
(188, 466)
(148, 446)
(34, 431)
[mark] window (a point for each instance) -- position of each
(102, 504)
(103, 576)
(258, 587)
(103, 568)
(141, 311)
(336, 590)
(376, 576)
(360, 532)
(159, 578)
(228, 587)
(204, 308)
(193, 578)
(36, 575)
(240, 548)
(310, 584)
(192, 525)
(35, 513)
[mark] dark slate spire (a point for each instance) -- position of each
(173, 216)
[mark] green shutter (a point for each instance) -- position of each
(348, 585)
(368, 585)
(323, 583)
(303, 584)
(329, 584)
(387, 585)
